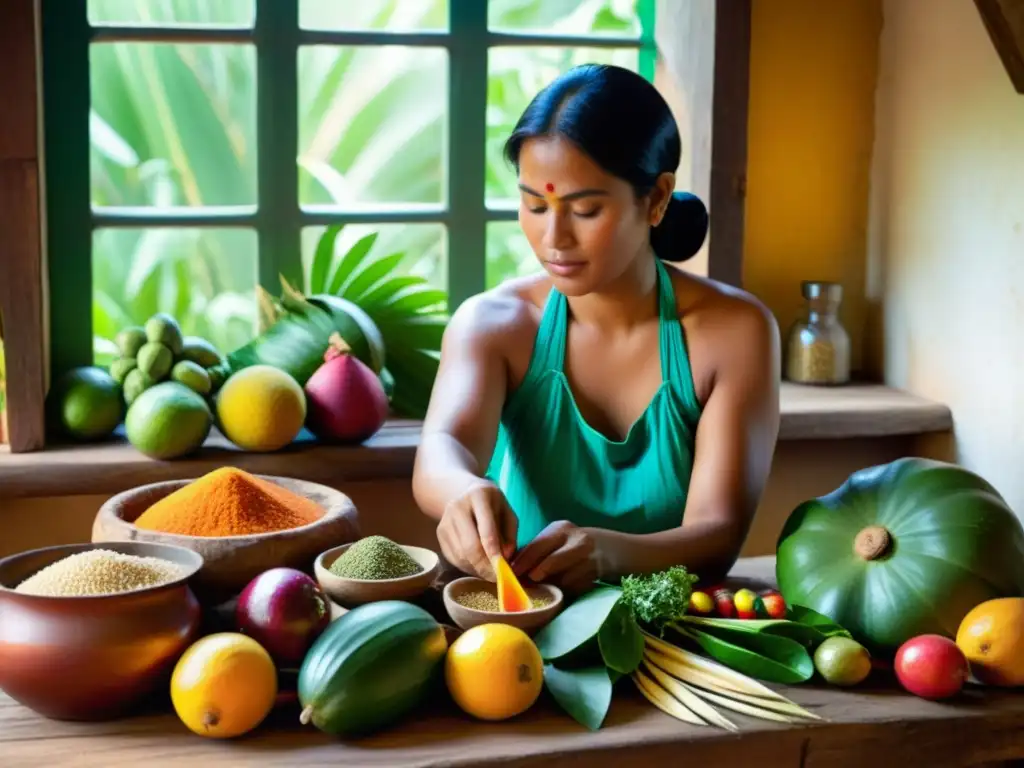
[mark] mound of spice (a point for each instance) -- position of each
(375, 558)
(229, 502)
(99, 572)
(482, 600)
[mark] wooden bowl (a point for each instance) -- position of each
(352, 592)
(529, 621)
(231, 562)
(93, 657)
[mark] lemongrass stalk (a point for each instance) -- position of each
(753, 710)
(702, 681)
(730, 678)
(662, 700)
(689, 699)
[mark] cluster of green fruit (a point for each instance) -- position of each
(159, 352)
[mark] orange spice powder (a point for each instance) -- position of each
(229, 502)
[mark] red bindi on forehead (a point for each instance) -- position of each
(549, 187)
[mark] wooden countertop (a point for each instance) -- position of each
(808, 413)
(875, 725)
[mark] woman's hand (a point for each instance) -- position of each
(562, 554)
(477, 526)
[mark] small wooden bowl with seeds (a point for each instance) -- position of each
(470, 602)
(376, 569)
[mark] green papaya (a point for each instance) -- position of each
(371, 667)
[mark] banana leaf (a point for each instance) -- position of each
(766, 657)
(295, 343)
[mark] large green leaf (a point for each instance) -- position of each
(620, 640)
(372, 274)
(761, 656)
(585, 694)
(323, 257)
(577, 624)
(350, 263)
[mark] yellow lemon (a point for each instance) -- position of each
(224, 685)
(494, 671)
(261, 408)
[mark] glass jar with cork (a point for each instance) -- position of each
(818, 347)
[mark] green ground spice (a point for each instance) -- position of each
(375, 558)
(482, 600)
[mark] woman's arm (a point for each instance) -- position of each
(735, 443)
(458, 438)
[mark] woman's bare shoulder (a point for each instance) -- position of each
(502, 315)
(721, 320)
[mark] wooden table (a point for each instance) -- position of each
(874, 726)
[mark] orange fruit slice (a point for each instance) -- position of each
(512, 598)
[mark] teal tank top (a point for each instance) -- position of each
(552, 465)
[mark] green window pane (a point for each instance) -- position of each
(166, 13)
(380, 15)
(508, 253)
(515, 75)
(205, 278)
(372, 124)
(565, 17)
(172, 125)
(424, 247)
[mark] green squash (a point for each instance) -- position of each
(370, 667)
(900, 550)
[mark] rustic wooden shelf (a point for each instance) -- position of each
(808, 413)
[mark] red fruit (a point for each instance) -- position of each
(345, 401)
(931, 666)
(723, 602)
(774, 604)
(284, 610)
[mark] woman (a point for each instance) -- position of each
(613, 414)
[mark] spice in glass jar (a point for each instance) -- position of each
(818, 348)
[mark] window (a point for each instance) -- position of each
(198, 149)
(140, 206)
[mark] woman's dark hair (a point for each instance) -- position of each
(621, 121)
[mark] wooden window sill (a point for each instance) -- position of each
(808, 413)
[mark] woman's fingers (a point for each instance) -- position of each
(562, 559)
(486, 519)
(470, 547)
(537, 551)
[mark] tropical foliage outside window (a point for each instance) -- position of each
(173, 125)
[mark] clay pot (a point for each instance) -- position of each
(93, 658)
(231, 562)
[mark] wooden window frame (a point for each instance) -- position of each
(44, 293)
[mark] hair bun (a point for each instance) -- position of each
(683, 228)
